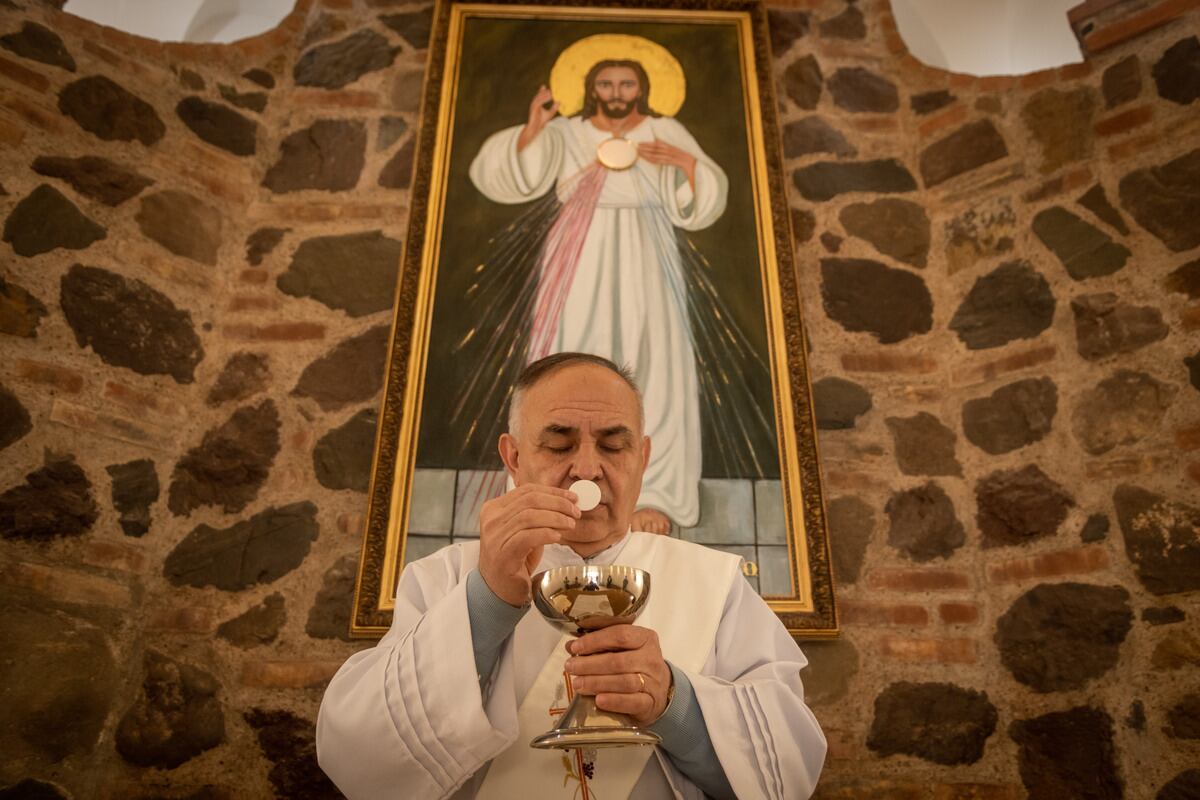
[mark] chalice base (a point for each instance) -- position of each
(583, 725)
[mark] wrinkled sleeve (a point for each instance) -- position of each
(766, 738)
(503, 175)
(690, 208)
(406, 718)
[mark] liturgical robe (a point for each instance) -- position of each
(409, 719)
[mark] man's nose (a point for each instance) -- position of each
(586, 464)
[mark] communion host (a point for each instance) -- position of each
(445, 705)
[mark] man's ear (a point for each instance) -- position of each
(645, 452)
(508, 454)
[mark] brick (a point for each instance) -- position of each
(254, 302)
(255, 277)
(292, 213)
(322, 98)
(977, 791)
(906, 579)
(895, 43)
(958, 613)
(111, 554)
(849, 480)
(875, 124)
(948, 118)
(1193, 472)
(1190, 318)
(11, 135)
(136, 400)
(36, 115)
(1132, 147)
(1152, 17)
(1128, 466)
(112, 426)
(888, 361)
(59, 378)
(351, 522)
(1037, 80)
(1073, 72)
(1074, 561)
(1188, 438)
(19, 73)
(167, 268)
(275, 332)
(66, 585)
(929, 651)
(959, 80)
(971, 374)
(855, 612)
(997, 83)
(181, 619)
(288, 674)
(1125, 121)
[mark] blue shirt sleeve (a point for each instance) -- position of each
(492, 621)
(686, 740)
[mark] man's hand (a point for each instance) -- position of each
(664, 154)
(607, 663)
(539, 114)
(513, 529)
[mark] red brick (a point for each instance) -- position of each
(1152, 17)
(36, 115)
(290, 213)
(959, 80)
(997, 83)
(849, 480)
(1075, 561)
(977, 791)
(275, 332)
(1038, 80)
(1190, 318)
(1072, 72)
(1125, 121)
(112, 426)
(19, 73)
(137, 400)
(181, 619)
(1128, 466)
(895, 43)
(1193, 472)
(887, 361)
(1188, 438)
(907, 579)
(351, 522)
(10, 134)
(254, 276)
(288, 674)
(52, 375)
(988, 370)
(322, 98)
(1045, 190)
(1132, 147)
(254, 302)
(113, 555)
(857, 612)
(948, 118)
(65, 585)
(932, 651)
(875, 124)
(958, 613)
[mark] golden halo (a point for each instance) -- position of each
(667, 83)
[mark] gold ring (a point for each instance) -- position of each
(641, 678)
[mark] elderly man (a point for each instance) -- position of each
(447, 702)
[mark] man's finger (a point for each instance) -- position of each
(635, 705)
(617, 637)
(519, 545)
(608, 664)
(506, 513)
(627, 683)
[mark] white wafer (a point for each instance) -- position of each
(588, 494)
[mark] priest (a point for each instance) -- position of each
(448, 701)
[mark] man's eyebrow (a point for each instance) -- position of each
(615, 430)
(555, 428)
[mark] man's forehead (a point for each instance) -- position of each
(581, 391)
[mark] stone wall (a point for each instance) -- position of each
(1000, 279)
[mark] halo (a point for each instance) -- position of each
(668, 87)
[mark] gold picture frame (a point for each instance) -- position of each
(739, 26)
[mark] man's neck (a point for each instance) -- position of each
(617, 126)
(589, 550)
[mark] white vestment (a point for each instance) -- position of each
(625, 296)
(407, 718)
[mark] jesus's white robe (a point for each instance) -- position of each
(626, 297)
(408, 719)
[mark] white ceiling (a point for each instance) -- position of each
(979, 37)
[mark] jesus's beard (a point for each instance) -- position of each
(617, 109)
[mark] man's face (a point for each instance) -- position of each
(617, 90)
(582, 423)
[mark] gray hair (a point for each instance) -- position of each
(537, 371)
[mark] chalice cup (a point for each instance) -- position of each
(578, 600)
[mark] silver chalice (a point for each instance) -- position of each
(577, 600)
